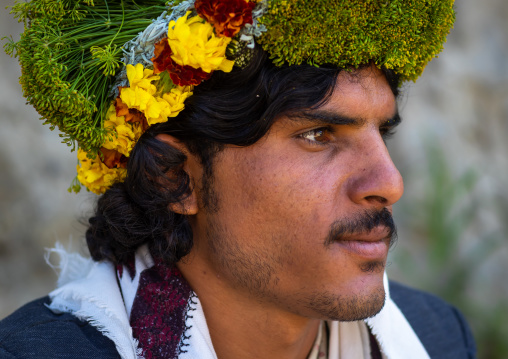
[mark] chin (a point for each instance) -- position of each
(373, 267)
(356, 304)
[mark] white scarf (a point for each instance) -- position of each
(89, 291)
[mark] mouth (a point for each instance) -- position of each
(372, 245)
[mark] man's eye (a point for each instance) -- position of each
(318, 136)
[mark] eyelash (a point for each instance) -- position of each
(325, 130)
(387, 132)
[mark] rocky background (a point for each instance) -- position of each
(452, 151)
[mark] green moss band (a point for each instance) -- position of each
(403, 35)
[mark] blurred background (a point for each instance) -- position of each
(452, 150)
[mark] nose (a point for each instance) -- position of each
(376, 181)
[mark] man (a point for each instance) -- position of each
(253, 223)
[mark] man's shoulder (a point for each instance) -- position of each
(34, 331)
(441, 327)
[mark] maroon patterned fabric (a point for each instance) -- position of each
(159, 312)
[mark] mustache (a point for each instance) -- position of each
(363, 223)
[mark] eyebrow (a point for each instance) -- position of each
(333, 118)
(392, 122)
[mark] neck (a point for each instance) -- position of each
(240, 325)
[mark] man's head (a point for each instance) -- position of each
(284, 189)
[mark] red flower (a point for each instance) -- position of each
(187, 75)
(180, 75)
(227, 16)
(112, 158)
(162, 56)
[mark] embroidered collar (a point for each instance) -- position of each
(160, 310)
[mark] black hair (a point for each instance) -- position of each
(236, 108)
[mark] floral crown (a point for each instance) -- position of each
(104, 71)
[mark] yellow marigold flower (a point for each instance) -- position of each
(194, 43)
(176, 98)
(141, 96)
(136, 97)
(95, 175)
(124, 135)
(149, 105)
(169, 105)
(140, 77)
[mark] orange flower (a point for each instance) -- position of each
(112, 158)
(227, 16)
(131, 114)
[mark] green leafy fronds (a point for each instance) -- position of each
(75, 186)
(108, 57)
(54, 9)
(10, 47)
(69, 53)
(403, 35)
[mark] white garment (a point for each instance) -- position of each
(89, 290)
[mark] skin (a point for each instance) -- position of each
(263, 264)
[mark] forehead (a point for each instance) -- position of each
(362, 94)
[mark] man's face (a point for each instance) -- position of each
(301, 217)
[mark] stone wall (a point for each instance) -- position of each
(35, 172)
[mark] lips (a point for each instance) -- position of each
(372, 245)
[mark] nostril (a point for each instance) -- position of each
(378, 199)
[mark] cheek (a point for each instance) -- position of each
(292, 194)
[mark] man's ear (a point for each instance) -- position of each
(192, 166)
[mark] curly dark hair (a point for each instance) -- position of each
(236, 108)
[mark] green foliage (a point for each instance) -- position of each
(443, 216)
(399, 34)
(108, 57)
(164, 84)
(69, 53)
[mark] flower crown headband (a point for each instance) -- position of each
(88, 70)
